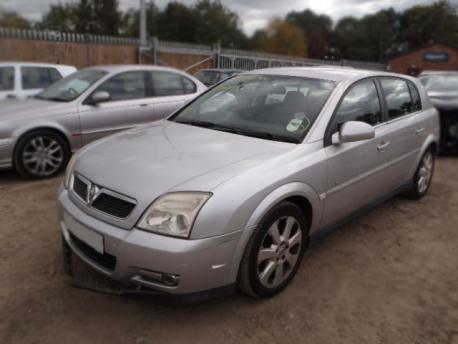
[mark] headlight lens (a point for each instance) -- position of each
(69, 171)
(174, 213)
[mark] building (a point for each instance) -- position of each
(431, 57)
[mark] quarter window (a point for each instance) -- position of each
(361, 103)
(397, 97)
(38, 77)
(6, 78)
(126, 86)
(188, 86)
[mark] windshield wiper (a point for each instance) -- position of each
(244, 132)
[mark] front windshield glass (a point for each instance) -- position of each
(440, 82)
(71, 87)
(272, 107)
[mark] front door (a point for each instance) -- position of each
(130, 105)
(355, 170)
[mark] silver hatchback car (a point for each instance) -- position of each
(38, 135)
(229, 190)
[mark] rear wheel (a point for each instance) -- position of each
(274, 253)
(423, 176)
(41, 154)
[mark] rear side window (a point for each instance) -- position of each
(397, 96)
(127, 86)
(38, 77)
(6, 78)
(416, 100)
(171, 84)
(361, 103)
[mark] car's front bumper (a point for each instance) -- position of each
(140, 257)
(6, 152)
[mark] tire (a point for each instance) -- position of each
(41, 154)
(270, 261)
(423, 176)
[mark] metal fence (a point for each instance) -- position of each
(222, 58)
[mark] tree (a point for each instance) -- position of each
(283, 37)
(98, 17)
(317, 28)
(59, 18)
(13, 20)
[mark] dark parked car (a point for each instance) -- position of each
(442, 88)
(210, 77)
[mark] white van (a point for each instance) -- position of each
(19, 80)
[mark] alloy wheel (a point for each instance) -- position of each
(425, 172)
(42, 156)
(279, 252)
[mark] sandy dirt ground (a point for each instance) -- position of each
(390, 276)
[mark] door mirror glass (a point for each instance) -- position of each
(353, 131)
(100, 97)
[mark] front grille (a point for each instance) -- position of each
(105, 260)
(113, 205)
(104, 200)
(80, 187)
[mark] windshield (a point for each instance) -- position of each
(267, 106)
(71, 87)
(208, 77)
(440, 82)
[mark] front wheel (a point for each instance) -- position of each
(41, 154)
(423, 176)
(274, 253)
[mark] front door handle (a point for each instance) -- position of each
(10, 96)
(418, 131)
(382, 146)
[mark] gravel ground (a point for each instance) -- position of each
(390, 276)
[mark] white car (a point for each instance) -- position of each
(19, 80)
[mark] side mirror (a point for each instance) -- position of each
(100, 97)
(353, 131)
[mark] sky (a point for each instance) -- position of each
(254, 14)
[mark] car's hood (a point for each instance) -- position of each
(444, 100)
(147, 162)
(32, 108)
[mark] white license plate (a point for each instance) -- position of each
(90, 237)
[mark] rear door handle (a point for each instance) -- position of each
(11, 96)
(382, 146)
(143, 105)
(418, 131)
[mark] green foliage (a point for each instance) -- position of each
(13, 20)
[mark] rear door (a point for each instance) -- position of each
(35, 78)
(406, 127)
(356, 171)
(130, 105)
(8, 82)
(171, 91)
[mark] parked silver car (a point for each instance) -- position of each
(229, 189)
(38, 135)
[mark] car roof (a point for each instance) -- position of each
(438, 72)
(332, 73)
(38, 64)
(131, 67)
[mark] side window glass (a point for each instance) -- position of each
(397, 97)
(188, 86)
(126, 86)
(361, 103)
(416, 100)
(167, 84)
(6, 78)
(35, 77)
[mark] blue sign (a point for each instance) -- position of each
(436, 57)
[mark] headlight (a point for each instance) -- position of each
(174, 213)
(69, 171)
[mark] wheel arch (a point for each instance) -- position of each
(51, 128)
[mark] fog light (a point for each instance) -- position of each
(170, 280)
